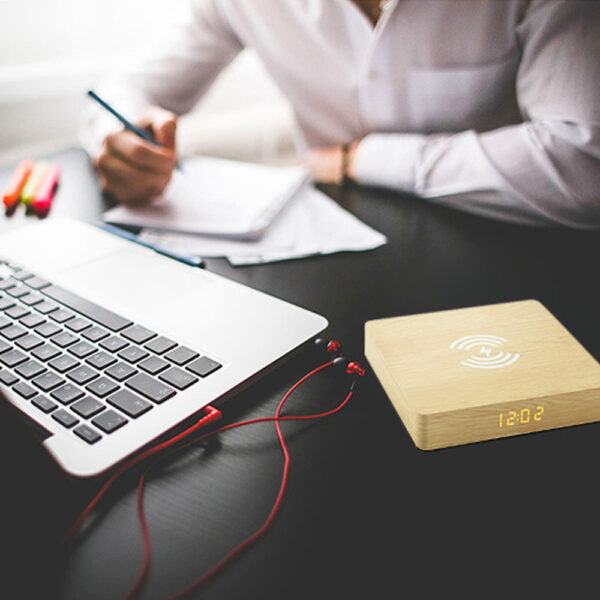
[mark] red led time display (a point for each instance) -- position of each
(521, 417)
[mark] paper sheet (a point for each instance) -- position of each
(311, 223)
(215, 196)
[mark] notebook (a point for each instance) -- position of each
(106, 344)
(218, 197)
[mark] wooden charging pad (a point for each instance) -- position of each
(480, 373)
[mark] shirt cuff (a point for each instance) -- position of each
(389, 160)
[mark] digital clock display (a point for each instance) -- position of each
(521, 417)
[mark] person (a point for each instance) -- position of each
(488, 107)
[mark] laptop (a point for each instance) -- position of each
(107, 345)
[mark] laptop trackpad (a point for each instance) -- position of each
(134, 281)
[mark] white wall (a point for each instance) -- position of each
(52, 51)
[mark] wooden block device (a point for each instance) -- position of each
(473, 374)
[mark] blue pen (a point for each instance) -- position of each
(193, 261)
(139, 131)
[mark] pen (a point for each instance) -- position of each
(192, 261)
(139, 131)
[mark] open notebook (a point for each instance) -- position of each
(217, 197)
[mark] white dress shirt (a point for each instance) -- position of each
(489, 106)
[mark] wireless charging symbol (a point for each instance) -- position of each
(484, 354)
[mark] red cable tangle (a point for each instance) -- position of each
(211, 416)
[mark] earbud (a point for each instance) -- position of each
(332, 346)
(351, 367)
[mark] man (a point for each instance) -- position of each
(487, 106)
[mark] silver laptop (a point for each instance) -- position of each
(107, 345)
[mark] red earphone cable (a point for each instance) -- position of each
(212, 415)
(277, 419)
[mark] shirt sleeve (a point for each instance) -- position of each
(543, 171)
(173, 72)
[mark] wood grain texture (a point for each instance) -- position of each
(455, 376)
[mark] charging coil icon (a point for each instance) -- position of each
(484, 354)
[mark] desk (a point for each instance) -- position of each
(367, 514)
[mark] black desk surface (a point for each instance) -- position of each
(368, 514)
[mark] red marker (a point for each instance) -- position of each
(42, 200)
(12, 193)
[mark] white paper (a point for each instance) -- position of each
(215, 196)
(312, 223)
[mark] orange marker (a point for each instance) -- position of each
(12, 193)
(42, 200)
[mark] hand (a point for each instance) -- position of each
(132, 170)
(325, 164)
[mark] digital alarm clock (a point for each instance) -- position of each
(474, 374)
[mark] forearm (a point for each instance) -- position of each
(541, 173)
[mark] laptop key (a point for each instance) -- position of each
(113, 344)
(4, 346)
(31, 299)
(45, 352)
(37, 283)
(204, 366)
(30, 369)
(82, 349)
(63, 363)
(44, 404)
(88, 309)
(67, 393)
(7, 378)
(48, 381)
(21, 275)
(132, 354)
(87, 407)
(7, 283)
(121, 371)
(82, 375)
(109, 421)
(78, 324)
(138, 334)
(65, 418)
(12, 358)
(64, 339)
(46, 307)
(181, 355)
(178, 378)
(154, 365)
(18, 291)
(160, 345)
(102, 387)
(87, 434)
(29, 342)
(129, 403)
(12, 332)
(47, 329)
(95, 334)
(150, 388)
(25, 390)
(32, 320)
(4, 322)
(62, 315)
(16, 312)
(6, 303)
(101, 360)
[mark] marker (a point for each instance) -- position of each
(32, 184)
(12, 193)
(42, 200)
(139, 131)
(192, 261)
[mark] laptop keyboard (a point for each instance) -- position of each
(92, 370)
